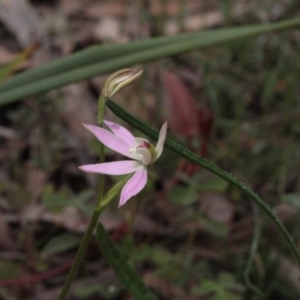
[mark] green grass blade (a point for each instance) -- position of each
(89, 56)
(214, 38)
(189, 155)
(124, 271)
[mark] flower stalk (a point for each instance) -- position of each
(88, 234)
(112, 85)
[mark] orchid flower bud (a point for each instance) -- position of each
(118, 80)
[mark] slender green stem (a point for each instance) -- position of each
(184, 152)
(100, 205)
(101, 111)
(80, 254)
(88, 234)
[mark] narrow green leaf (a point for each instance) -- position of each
(214, 37)
(184, 152)
(124, 271)
(89, 56)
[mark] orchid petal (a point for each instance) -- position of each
(134, 185)
(160, 144)
(110, 140)
(121, 132)
(113, 168)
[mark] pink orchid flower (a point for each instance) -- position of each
(140, 150)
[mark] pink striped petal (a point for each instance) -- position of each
(113, 168)
(134, 185)
(160, 144)
(121, 132)
(109, 140)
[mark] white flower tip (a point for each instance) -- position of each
(160, 143)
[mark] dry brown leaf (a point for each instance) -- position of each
(145, 225)
(70, 6)
(285, 211)
(79, 108)
(21, 18)
(289, 271)
(109, 8)
(109, 29)
(172, 8)
(69, 218)
(200, 18)
(35, 181)
(182, 108)
(8, 133)
(6, 55)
